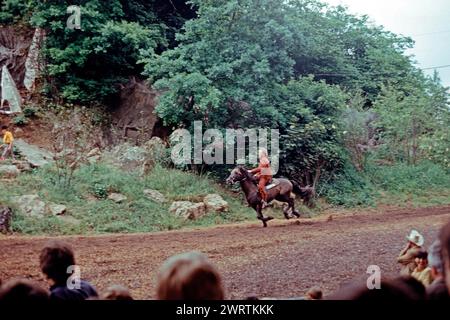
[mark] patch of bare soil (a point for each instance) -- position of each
(283, 260)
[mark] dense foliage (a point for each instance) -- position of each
(297, 66)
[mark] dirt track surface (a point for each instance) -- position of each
(283, 260)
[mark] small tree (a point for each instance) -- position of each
(72, 139)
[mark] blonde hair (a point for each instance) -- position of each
(189, 276)
(263, 152)
(117, 292)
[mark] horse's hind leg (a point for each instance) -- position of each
(285, 208)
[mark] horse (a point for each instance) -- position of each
(281, 191)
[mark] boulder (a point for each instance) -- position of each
(35, 156)
(5, 219)
(9, 171)
(57, 209)
(23, 166)
(155, 195)
(117, 197)
(188, 210)
(215, 203)
(31, 205)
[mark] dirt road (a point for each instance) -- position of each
(283, 260)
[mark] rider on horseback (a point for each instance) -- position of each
(263, 172)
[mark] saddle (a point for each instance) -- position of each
(273, 183)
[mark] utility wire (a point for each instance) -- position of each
(429, 33)
(437, 67)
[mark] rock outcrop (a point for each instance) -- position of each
(11, 101)
(155, 195)
(31, 205)
(35, 156)
(188, 210)
(9, 171)
(33, 64)
(117, 197)
(215, 203)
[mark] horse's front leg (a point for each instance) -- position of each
(286, 211)
(261, 216)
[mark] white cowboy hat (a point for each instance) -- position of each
(416, 238)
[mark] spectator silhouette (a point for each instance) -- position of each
(55, 260)
(444, 238)
(22, 291)
(189, 276)
(117, 292)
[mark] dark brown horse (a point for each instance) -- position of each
(281, 192)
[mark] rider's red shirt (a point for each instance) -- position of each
(263, 168)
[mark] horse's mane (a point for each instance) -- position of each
(247, 174)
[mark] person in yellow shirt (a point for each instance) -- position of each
(8, 140)
(422, 272)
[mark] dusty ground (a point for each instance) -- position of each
(283, 260)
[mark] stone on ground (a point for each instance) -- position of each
(57, 209)
(215, 203)
(117, 197)
(188, 210)
(155, 195)
(31, 205)
(35, 156)
(9, 171)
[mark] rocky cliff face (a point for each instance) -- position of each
(134, 116)
(14, 47)
(19, 65)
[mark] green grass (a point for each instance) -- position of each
(99, 215)
(424, 184)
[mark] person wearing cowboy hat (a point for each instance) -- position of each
(407, 257)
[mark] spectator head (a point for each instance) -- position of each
(117, 293)
(55, 259)
(422, 259)
(4, 128)
(444, 238)
(435, 260)
(22, 290)
(189, 276)
(314, 294)
(400, 289)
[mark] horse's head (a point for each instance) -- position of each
(237, 174)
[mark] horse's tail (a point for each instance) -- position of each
(306, 193)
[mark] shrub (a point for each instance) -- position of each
(20, 120)
(29, 112)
